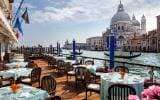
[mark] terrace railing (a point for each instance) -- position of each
(136, 68)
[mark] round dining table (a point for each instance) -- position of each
(136, 81)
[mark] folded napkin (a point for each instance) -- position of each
(25, 94)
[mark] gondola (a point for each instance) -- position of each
(77, 53)
(125, 56)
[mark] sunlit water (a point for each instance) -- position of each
(145, 58)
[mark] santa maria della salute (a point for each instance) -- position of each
(123, 26)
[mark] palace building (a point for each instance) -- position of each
(149, 42)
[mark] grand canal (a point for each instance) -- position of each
(145, 58)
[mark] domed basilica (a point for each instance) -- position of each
(123, 26)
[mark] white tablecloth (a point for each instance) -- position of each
(14, 64)
(17, 60)
(91, 68)
(59, 57)
(70, 61)
(25, 93)
(111, 78)
(16, 73)
(18, 56)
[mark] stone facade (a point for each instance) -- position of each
(123, 26)
(149, 42)
(142, 43)
(94, 43)
(68, 45)
(7, 36)
(105, 39)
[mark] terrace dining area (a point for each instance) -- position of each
(61, 77)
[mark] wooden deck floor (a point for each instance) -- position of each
(64, 90)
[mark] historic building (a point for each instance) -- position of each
(158, 33)
(149, 42)
(105, 39)
(123, 26)
(68, 45)
(94, 43)
(7, 36)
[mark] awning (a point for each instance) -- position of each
(7, 26)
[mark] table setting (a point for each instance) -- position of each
(16, 73)
(136, 81)
(15, 64)
(22, 92)
(70, 61)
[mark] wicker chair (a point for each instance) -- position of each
(34, 77)
(70, 71)
(80, 74)
(6, 81)
(31, 64)
(91, 84)
(53, 63)
(119, 68)
(89, 62)
(120, 92)
(61, 67)
(48, 83)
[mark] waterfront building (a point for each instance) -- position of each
(148, 42)
(105, 39)
(68, 45)
(7, 36)
(123, 26)
(158, 33)
(94, 43)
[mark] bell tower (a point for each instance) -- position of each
(143, 23)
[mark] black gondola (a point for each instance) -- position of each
(125, 56)
(77, 53)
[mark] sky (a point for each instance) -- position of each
(59, 20)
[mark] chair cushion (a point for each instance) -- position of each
(5, 83)
(71, 72)
(93, 86)
(26, 80)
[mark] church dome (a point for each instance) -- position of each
(121, 15)
(135, 22)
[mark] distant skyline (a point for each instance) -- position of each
(58, 20)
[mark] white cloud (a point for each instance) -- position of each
(54, 14)
(93, 10)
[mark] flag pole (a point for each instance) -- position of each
(20, 5)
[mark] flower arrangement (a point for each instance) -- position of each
(122, 73)
(153, 92)
(15, 87)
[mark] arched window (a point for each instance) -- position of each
(123, 28)
(118, 27)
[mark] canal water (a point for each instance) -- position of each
(145, 58)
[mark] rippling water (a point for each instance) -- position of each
(145, 58)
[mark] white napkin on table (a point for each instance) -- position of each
(25, 94)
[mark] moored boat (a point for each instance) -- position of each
(125, 56)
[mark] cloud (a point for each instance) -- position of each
(94, 10)
(54, 14)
